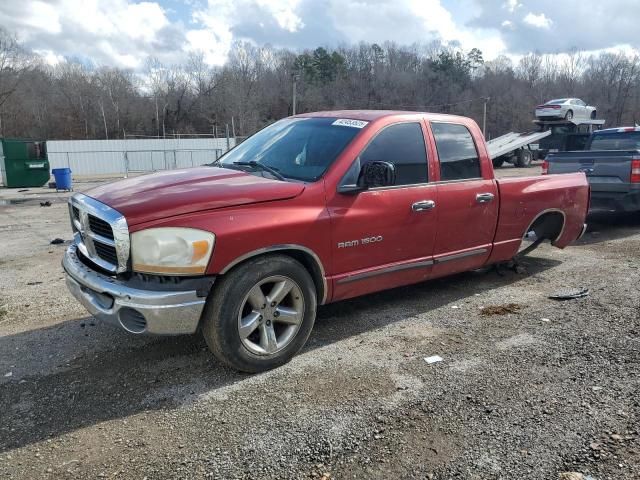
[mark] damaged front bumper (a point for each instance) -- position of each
(137, 310)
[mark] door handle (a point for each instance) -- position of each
(485, 197)
(423, 205)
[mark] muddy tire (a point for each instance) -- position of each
(260, 314)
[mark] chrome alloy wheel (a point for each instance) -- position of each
(270, 315)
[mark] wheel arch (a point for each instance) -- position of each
(551, 221)
(302, 254)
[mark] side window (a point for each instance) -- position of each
(403, 146)
(457, 151)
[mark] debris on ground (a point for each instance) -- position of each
(57, 241)
(45, 204)
(23, 190)
(545, 320)
(433, 359)
(501, 309)
(34, 283)
(571, 476)
(570, 294)
(8, 374)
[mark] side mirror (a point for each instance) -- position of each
(377, 174)
(371, 175)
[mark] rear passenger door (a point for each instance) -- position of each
(467, 201)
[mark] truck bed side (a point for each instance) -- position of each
(524, 199)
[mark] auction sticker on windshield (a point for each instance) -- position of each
(345, 122)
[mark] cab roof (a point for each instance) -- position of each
(372, 115)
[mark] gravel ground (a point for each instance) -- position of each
(527, 391)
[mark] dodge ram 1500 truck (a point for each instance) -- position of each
(611, 162)
(313, 209)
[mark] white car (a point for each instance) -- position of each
(567, 108)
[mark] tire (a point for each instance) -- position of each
(231, 308)
(497, 162)
(593, 115)
(524, 158)
(569, 115)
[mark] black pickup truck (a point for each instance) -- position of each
(611, 162)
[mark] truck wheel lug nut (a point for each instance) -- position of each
(276, 314)
(273, 304)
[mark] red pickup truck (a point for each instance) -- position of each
(313, 209)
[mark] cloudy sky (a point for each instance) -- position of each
(125, 32)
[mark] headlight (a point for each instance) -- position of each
(178, 251)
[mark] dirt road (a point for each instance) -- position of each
(547, 387)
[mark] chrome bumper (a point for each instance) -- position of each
(135, 310)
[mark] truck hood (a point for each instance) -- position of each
(177, 192)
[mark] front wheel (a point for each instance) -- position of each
(260, 314)
(569, 115)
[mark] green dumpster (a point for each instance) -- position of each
(23, 163)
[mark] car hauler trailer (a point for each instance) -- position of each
(551, 136)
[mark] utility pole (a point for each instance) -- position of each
(294, 76)
(484, 117)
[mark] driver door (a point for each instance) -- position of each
(384, 237)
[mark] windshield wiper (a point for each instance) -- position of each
(260, 166)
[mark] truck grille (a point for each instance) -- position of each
(100, 232)
(100, 227)
(106, 252)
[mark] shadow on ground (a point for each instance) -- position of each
(610, 226)
(112, 375)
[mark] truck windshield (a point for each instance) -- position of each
(616, 141)
(296, 148)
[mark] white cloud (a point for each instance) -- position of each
(511, 5)
(538, 21)
(125, 33)
(284, 12)
(111, 33)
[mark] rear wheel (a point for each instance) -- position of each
(497, 162)
(524, 158)
(569, 115)
(260, 314)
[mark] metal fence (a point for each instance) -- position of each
(108, 162)
(119, 157)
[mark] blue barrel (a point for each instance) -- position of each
(63, 178)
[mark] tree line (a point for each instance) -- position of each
(77, 100)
